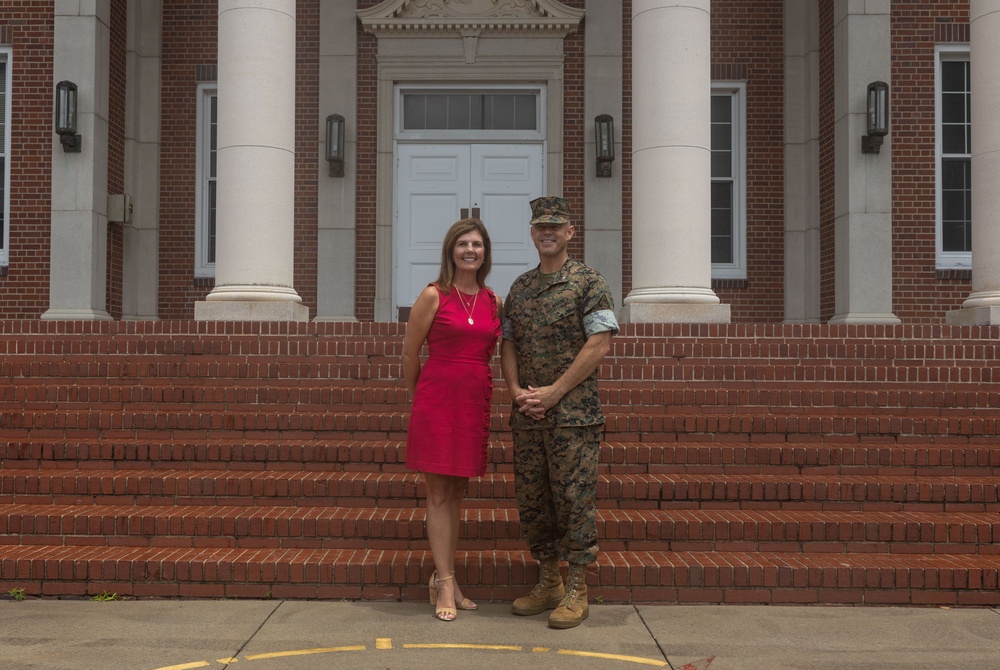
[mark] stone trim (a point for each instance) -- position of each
(437, 16)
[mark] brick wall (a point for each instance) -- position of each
(366, 181)
(27, 28)
(748, 44)
(116, 152)
(826, 164)
(919, 295)
(308, 117)
(189, 40)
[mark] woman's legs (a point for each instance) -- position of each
(444, 506)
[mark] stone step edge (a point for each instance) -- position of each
(400, 569)
(168, 521)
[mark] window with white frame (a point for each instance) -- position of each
(205, 176)
(728, 181)
(5, 106)
(954, 159)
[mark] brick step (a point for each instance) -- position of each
(369, 489)
(178, 390)
(491, 529)
(297, 424)
(959, 458)
(645, 576)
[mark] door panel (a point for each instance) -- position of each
(506, 178)
(435, 182)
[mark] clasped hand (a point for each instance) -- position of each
(535, 402)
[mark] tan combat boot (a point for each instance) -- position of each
(547, 594)
(573, 609)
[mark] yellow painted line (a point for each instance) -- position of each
(540, 650)
(302, 652)
(383, 643)
(490, 647)
(186, 666)
(613, 657)
(227, 660)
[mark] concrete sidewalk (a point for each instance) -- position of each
(295, 635)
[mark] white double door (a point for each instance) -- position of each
(437, 184)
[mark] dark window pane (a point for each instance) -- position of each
(955, 173)
(722, 250)
(3, 194)
(437, 112)
(211, 222)
(722, 222)
(722, 164)
(956, 236)
(953, 139)
(722, 108)
(722, 137)
(722, 195)
(954, 75)
(954, 108)
(458, 112)
(500, 114)
(213, 135)
(525, 112)
(414, 114)
(956, 204)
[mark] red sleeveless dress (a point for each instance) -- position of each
(450, 418)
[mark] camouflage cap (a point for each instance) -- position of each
(550, 209)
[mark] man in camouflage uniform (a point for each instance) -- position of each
(557, 327)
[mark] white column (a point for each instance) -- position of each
(802, 258)
(338, 74)
(254, 261)
(79, 246)
(142, 160)
(983, 305)
(863, 182)
(671, 164)
(603, 95)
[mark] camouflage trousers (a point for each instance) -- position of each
(555, 476)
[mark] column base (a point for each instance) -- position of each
(250, 310)
(974, 316)
(675, 312)
(867, 317)
(57, 314)
(335, 319)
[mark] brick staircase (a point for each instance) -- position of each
(741, 464)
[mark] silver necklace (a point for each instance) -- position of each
(468, 312)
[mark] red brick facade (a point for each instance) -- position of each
(747, 45)
(27, 28)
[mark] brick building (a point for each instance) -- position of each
(202, 287)
(754, 203)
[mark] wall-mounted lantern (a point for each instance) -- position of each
(335, 144)
(877, 125)
(66, 116)
(604, 127)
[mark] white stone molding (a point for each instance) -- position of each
(435, 16)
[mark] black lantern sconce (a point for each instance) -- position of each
(604, 127)
(877, 125)
(66, 116)
(335, 144)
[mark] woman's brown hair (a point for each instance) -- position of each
(447, 275)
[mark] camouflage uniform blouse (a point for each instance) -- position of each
(549, 326)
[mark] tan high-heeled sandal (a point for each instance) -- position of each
(466, 604)
(440, 613)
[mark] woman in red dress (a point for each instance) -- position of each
(459, 319)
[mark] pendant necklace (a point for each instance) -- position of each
(469, 312)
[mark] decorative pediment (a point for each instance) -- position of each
(463, 16)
